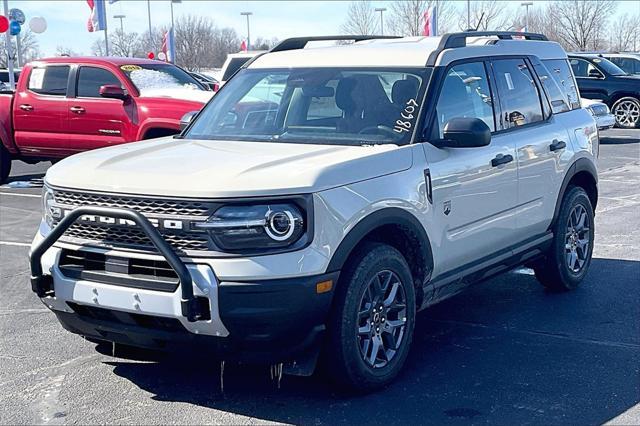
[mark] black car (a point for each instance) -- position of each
(599, 78)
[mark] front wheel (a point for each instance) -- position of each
(627, 112)
(373, 319)
(569, 258)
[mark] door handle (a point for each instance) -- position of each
(557, 145)
(501, 159)
(77, 109)
(26, 107)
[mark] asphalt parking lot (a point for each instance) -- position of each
(505, 349)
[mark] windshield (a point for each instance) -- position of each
(315, 105)
(153, 77)
(608, 66)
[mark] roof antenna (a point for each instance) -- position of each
(479, 22)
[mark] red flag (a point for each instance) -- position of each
(243, 46)
(430, 22)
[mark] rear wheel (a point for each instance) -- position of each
(627, 112)
(373, 319)
(5, 164)
(569, 258)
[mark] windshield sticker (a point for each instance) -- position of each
(36, 78)
(408, 115)
(130, 68)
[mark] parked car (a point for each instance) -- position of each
(601, 113)
(4, 79)
(599, 78)
(629, 62)
(67, 105)
(376, 179)
(234, 62)
(206, 80)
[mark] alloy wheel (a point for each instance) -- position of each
(382, 319)
(577, 239)
(627, 113)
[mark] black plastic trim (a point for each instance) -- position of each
(190, 306)
(580, 165)
(294, 43)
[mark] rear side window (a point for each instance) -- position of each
(518, 93)
(51, 80)
(559, 102)
(630, 65)
(465, 93)
(561, 73)
(90, 79)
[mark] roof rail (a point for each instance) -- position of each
(300, 42)
(455, 40)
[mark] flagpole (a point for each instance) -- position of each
(150, 35)
(12, 81)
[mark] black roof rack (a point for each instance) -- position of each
(300, 42)
(455, 40)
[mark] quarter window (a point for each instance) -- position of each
(90, 79)
(51, 80)
(561, 73)
(518, 93)
(465, 93)
(557, 98)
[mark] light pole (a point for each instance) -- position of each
(172, 2)
(526, 4)
(120, 17)
(381, 10)
(150, 33)
(247, 14)
(468, 14)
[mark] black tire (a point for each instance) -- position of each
(344, 357)
(5, 164)
(558, 271)
(627, 112)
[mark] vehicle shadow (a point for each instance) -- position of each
(504, 349)
(609, 140)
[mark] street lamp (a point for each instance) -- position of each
(526, 4)
(381, 10)
(120, 17)
(172, 2)
(247, 14)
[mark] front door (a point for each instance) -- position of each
(474, 196)
(40, 112)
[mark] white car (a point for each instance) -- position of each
(322, 198)
(234, 62)
(601, 113)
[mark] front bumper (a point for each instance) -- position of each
(257, 321)
(605, 121)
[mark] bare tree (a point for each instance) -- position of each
(263, 44)
(225, 41)
(485, 15)
(624, 34)
(580, 24)
(65, 51)
(361, 19)
(126, 44)
(194, 41)
(29, 49)
(407, 17)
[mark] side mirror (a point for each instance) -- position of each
(113, 91)
(594, 73)
(465, 132)
(187, 119)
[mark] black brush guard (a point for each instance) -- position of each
(42, 284)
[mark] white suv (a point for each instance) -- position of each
(322, 198)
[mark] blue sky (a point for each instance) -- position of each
(67, 19)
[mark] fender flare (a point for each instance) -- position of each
(580, 165)
(385, 216)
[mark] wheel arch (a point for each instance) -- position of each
(398, 228)
(622, 94)
(581, 173)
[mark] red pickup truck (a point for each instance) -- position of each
(64, 105)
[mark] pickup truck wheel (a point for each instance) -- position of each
(627, 112)
(5, 164)
(568, 260)
(373, 318)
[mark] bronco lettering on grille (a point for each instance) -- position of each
(110, 221)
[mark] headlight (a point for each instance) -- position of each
(240, 228)
(49, 211)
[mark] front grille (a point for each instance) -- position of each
(126, 318)
(143, 205)
(183, 241)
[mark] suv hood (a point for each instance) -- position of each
(215, 169)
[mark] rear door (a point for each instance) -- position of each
(40, 111)
(95, 121)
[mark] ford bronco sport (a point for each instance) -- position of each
(322, 198)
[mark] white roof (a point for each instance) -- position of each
(403, 52)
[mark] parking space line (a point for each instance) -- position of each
(20, 195)
(13, 243)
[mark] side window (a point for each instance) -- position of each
(91, 78)
(518, 93)
(583, 69)
(559, 102)
(465, 93)
(561, 73)
(51, 80)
